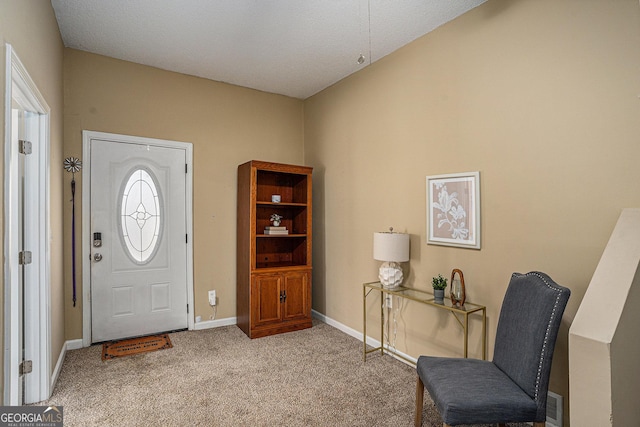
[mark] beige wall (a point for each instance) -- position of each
(31, 29)
(227, 125)
(541, 97)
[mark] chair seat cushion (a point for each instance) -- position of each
(471, 391)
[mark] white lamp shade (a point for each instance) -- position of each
(391, 247)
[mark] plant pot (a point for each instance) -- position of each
(438, 295)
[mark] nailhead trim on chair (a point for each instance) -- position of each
(546, 335)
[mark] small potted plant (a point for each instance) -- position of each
(275, 218)
(439, 284)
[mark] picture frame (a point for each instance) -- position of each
(453, 210)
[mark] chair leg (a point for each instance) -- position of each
(419, 402)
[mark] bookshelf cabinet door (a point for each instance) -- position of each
(297, 286)
(266, 307)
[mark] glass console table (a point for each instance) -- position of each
(460, 313)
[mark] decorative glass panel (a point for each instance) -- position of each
(140, 215)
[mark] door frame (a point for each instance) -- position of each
(86, 249)
(37, 327)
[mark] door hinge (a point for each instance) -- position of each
(187, 308)
(24, 146)
(25, 367)
(186, 168)
(24, 257)
(186, 238)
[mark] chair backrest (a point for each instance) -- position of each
(527, 329)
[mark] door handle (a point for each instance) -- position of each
(97, 257)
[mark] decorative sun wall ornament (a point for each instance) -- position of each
(73, 165)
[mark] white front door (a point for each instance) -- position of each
(139, 232)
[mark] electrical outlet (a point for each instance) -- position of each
(212, 298)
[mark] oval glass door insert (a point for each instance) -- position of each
(140, 215)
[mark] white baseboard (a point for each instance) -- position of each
(344, 328)
(358, 335)
(56, 371)
(68, 345)
(208, 324)
(74, 344)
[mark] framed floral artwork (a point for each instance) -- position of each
(453, 210)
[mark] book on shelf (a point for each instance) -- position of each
(278, 232)
(279, 228)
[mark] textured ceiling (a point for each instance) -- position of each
(290, 47)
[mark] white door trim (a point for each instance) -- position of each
(87, 136)
(38, 304)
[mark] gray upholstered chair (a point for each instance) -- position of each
(513, 387)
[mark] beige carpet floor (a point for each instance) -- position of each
(219, 377)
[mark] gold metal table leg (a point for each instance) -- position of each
(364, 328)
(381, 323)
(466, 334)
(484, 334)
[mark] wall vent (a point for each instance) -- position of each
(554, 410)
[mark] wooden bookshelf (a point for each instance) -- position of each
(273, 270)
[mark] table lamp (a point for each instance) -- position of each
(392, 248)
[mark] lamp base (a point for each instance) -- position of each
(390, 274)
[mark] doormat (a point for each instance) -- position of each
(138, 345)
